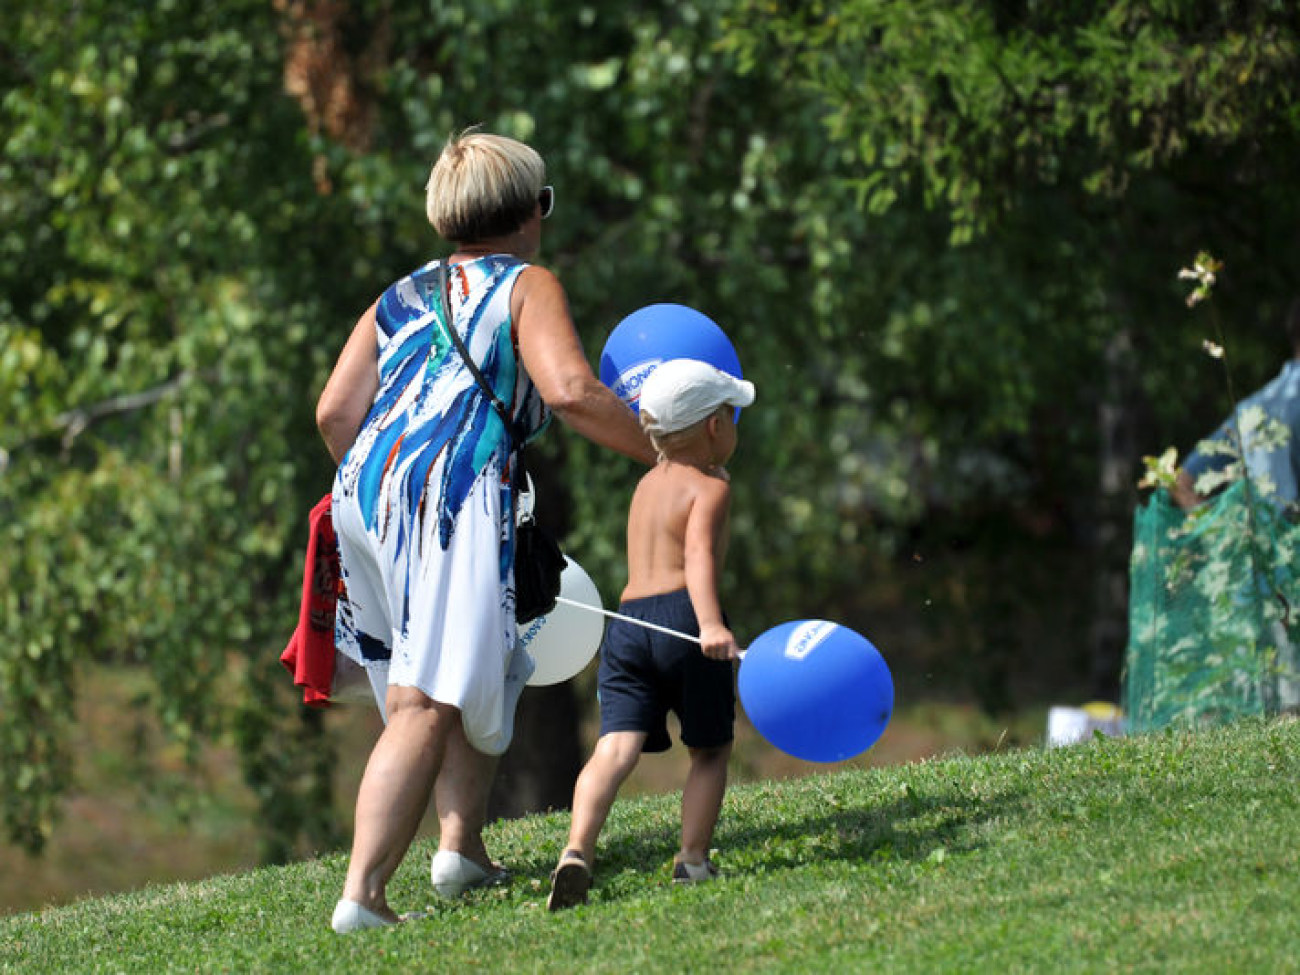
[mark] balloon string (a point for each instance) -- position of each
(627, 619)
(630, 619)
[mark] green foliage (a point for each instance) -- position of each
(1088, 144)
(170, 320)
(1069, 153)
(158, 453)
(184, 245)
(1171, 851)
(679, 180)
(975, 101)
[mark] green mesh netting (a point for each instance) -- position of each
(1214, 612)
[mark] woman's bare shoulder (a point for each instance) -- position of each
(535, 278)
(538, 296)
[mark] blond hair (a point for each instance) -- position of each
(483, 186)
(669, 445)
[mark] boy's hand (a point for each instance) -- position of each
(717, 643)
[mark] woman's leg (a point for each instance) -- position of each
(461, 796)
(394, 792)
(702, 801)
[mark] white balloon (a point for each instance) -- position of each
(563, 641)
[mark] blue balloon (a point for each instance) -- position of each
(654, 334)
(816, 690)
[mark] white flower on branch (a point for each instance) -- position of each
(1204, 271)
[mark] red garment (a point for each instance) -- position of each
(309, 657)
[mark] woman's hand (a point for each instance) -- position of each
(553, 356)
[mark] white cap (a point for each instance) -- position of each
(681, 392)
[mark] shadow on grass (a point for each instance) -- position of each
(766, 836)
(908, 828)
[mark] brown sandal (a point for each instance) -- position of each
(570, 881)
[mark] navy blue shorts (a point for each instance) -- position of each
(645, 674)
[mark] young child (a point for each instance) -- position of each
(676, 542)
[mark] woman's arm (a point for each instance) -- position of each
(553, 356)
(350, 391)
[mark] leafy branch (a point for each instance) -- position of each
(71, 424)
(74, 422)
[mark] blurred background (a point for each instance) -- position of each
(944, 237)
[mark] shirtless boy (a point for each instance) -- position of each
(676, 543)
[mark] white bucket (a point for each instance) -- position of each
(1070, 725)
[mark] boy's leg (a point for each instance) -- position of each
(615, 756)
(702, 801)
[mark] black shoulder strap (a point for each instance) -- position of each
(502, 410)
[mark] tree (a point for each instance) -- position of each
(175, 190)
(155, 362)
(1095, 145)
(199, 199)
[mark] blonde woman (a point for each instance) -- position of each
(423, 507)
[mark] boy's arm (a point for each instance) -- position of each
(706, 532)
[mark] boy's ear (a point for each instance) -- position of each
(711, 425)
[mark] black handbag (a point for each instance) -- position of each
(538, 559)
(538, 563)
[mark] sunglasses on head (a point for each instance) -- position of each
(546, 200)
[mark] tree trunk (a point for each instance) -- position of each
(1114, 516)
(537, 772)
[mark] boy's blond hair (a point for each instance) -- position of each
(669, 445)
(483, 186)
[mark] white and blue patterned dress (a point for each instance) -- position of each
(423, 502)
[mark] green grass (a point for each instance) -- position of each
(138, 815)
(1175, 852)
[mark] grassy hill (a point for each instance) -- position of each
(138, 814)
(1175, 852)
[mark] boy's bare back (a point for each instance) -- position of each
(673, 501)
(677, 536)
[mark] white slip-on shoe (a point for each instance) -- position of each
(453, 874)
(350, 916)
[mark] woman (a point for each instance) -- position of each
(423, 507)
